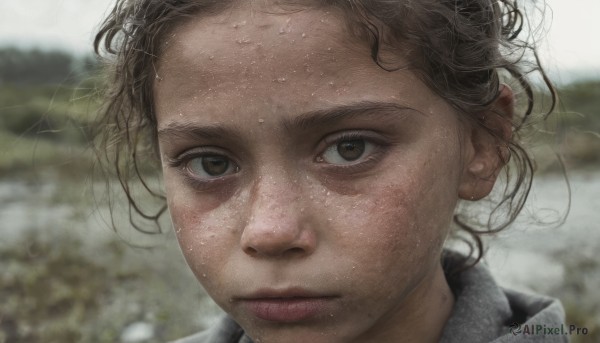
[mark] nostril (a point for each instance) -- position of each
(250, 251)
(295, 251)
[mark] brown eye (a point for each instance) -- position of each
(351, 150)
(210, 166)
(348, 151)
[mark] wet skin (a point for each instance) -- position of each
(310, 190)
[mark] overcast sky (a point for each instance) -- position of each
(571, 43)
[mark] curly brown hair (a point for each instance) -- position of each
(462, 49)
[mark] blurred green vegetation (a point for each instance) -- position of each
(62, 288)
(47, 106)
(580, 123)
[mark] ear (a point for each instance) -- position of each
(485, 149)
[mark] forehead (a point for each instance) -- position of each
(246, 43)
(271, 62)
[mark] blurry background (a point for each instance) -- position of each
(65, 276)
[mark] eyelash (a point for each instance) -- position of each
(182, 161)
(363, 163)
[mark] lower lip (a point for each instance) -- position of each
(287, 310)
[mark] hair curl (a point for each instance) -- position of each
(462, 49)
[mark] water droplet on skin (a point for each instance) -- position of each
(303, 35)
(281, 80)
(204, 275)
(328, 49)
(180, 114)
(328, 193)
(211, 57)
(261, 121)
(331, 84)
(202, 243)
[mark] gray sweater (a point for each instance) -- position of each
(483, 312)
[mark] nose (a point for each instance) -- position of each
(277, 225)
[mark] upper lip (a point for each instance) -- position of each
(287, 293)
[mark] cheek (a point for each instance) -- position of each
(397, 223)
(206, 230)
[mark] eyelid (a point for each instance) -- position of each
(340, 136)
(181, 161)
(188, 154)
(378, 140)
(368, 135)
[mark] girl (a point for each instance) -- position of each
(314, 153)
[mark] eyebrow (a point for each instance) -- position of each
(323, 117)
(189, 130)
(371, 109)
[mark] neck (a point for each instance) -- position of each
(424, 315)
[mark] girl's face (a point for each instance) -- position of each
(310, 190)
